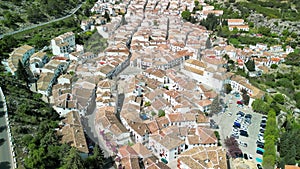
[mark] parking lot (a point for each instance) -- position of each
(226, 121)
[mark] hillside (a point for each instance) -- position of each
(16, 14)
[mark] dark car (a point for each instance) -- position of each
(259, 166)
(262, 130)
(248, 116)
(263, 125)
(259, 152)
(240, 113)
(236, 124)
(260, 145)
(245, 156)
(263, 121)
(244, 133)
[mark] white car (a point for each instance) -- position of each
(235, 130)
(243, 144)
(262, 141)
(260, 137)
(250, 156)
(229, 113)
(244, 128)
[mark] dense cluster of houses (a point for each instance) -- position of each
(163, 113)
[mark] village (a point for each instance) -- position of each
(163, 119)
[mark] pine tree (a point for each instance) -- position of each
(73, 160)
(21, 72)
(250, 65)
(96, 161)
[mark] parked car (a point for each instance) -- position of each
(250, 156)
(244, 133)
(259, 166)
(240, 113)
(260, 149)
(248, 116)
(245, 156)
(237, 124)
(229, 113)
(243, 144)
(260, 145)
(259, 152)
(264, 117)
(260, 135)
(239, 102)
(263, 125)
(235, 130)
(262, 130)
(239, 120)
(244, 127)
(235, 136)
(260, 141)
(248, 121)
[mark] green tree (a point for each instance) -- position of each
(279, 98)
(186, 15)
(96, 160)
(21, 72)
(250, 64)
(196, 2)
(226, 57)
(73, 160)
(228, 88)
(268, 162)
(211, 22)
(153, 113)
(36, 159)
(161, 113)
(293, 59)
(290, 158)
(260, 106)
(147, 104)
(264, 30)
(274, 66)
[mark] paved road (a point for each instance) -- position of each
(41, 24)
(89, 126)
(5, 154)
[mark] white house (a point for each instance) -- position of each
(63, 44)
(167, 147)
